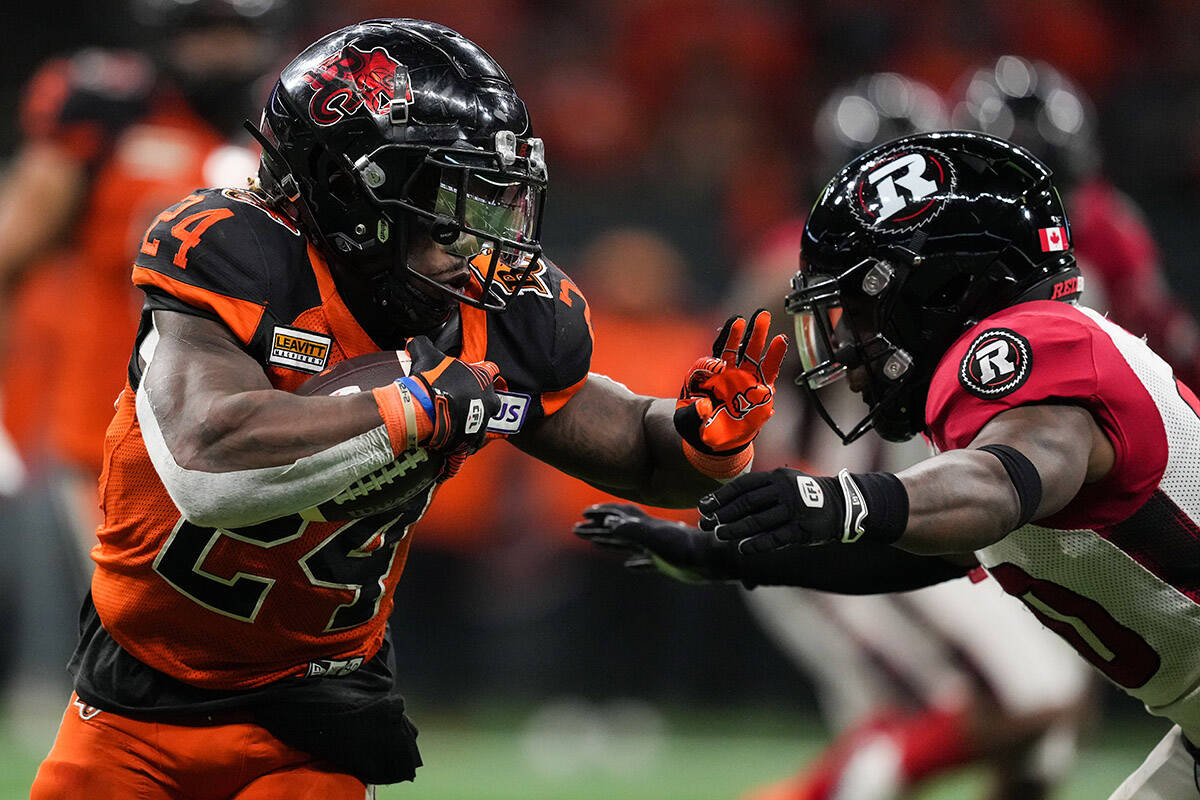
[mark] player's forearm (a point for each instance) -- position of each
(673, 481)
(257, 483)
(268, 428)
(230, 450)
(869, 568)
(619, 442)
(646, 464)
(958, 502)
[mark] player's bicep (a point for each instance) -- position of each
(598, 436)
(190, 364)
(1063, 442)
(230, 450)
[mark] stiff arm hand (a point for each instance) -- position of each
(727, 398)
(677, 550)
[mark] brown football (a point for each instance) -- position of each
(394, 485)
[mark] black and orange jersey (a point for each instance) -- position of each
(239, 609)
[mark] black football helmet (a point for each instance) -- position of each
(395, 128)
(872, 110)
(908, 246)
(1035, 106)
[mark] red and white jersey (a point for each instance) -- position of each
(1117, 572)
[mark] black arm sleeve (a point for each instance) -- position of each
(862, 568)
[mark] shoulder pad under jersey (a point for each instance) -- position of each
(543, 341)
(223, 253)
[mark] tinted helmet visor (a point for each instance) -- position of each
(472, 205)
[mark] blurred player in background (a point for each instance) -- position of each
(1036, 106)
(919, 683)
(235, 640)
(937, 277)
(110, 137)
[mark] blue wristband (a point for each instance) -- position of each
(420, 393)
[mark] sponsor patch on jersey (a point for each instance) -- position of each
(997, 363)
(300, 350)
(511, 416)
(902, 190)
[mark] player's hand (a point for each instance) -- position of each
(762, 511)
(462, 397)
(675, 549)
(726, 399)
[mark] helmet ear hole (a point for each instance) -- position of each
(341, 187)
(950, 293)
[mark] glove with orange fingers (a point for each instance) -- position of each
(726, 399)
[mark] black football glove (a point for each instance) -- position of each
(461, 397)
(674, 549)
(770, 510)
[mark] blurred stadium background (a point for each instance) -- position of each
(680, 142)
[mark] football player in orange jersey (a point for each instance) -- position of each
(234, 643)
(110, 137)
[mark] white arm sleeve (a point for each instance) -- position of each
(247, 497)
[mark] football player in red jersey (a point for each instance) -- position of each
(234, 643)
(937, 276)
(924, 682)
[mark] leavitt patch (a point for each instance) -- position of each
(300, 350)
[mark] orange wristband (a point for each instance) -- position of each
(405, 419)
(721, 468)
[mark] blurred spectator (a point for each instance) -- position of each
(110, 138)
(1034, 105)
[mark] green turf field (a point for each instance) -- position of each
(635, 754)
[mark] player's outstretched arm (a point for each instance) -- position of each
(620, 442)
(966, 499)
(669, 452)
(691, 555)
(1025, 464)
(233, 451)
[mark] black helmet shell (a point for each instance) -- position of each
(361, 130)
(924, 236)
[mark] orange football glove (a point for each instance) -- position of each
(726, 399)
